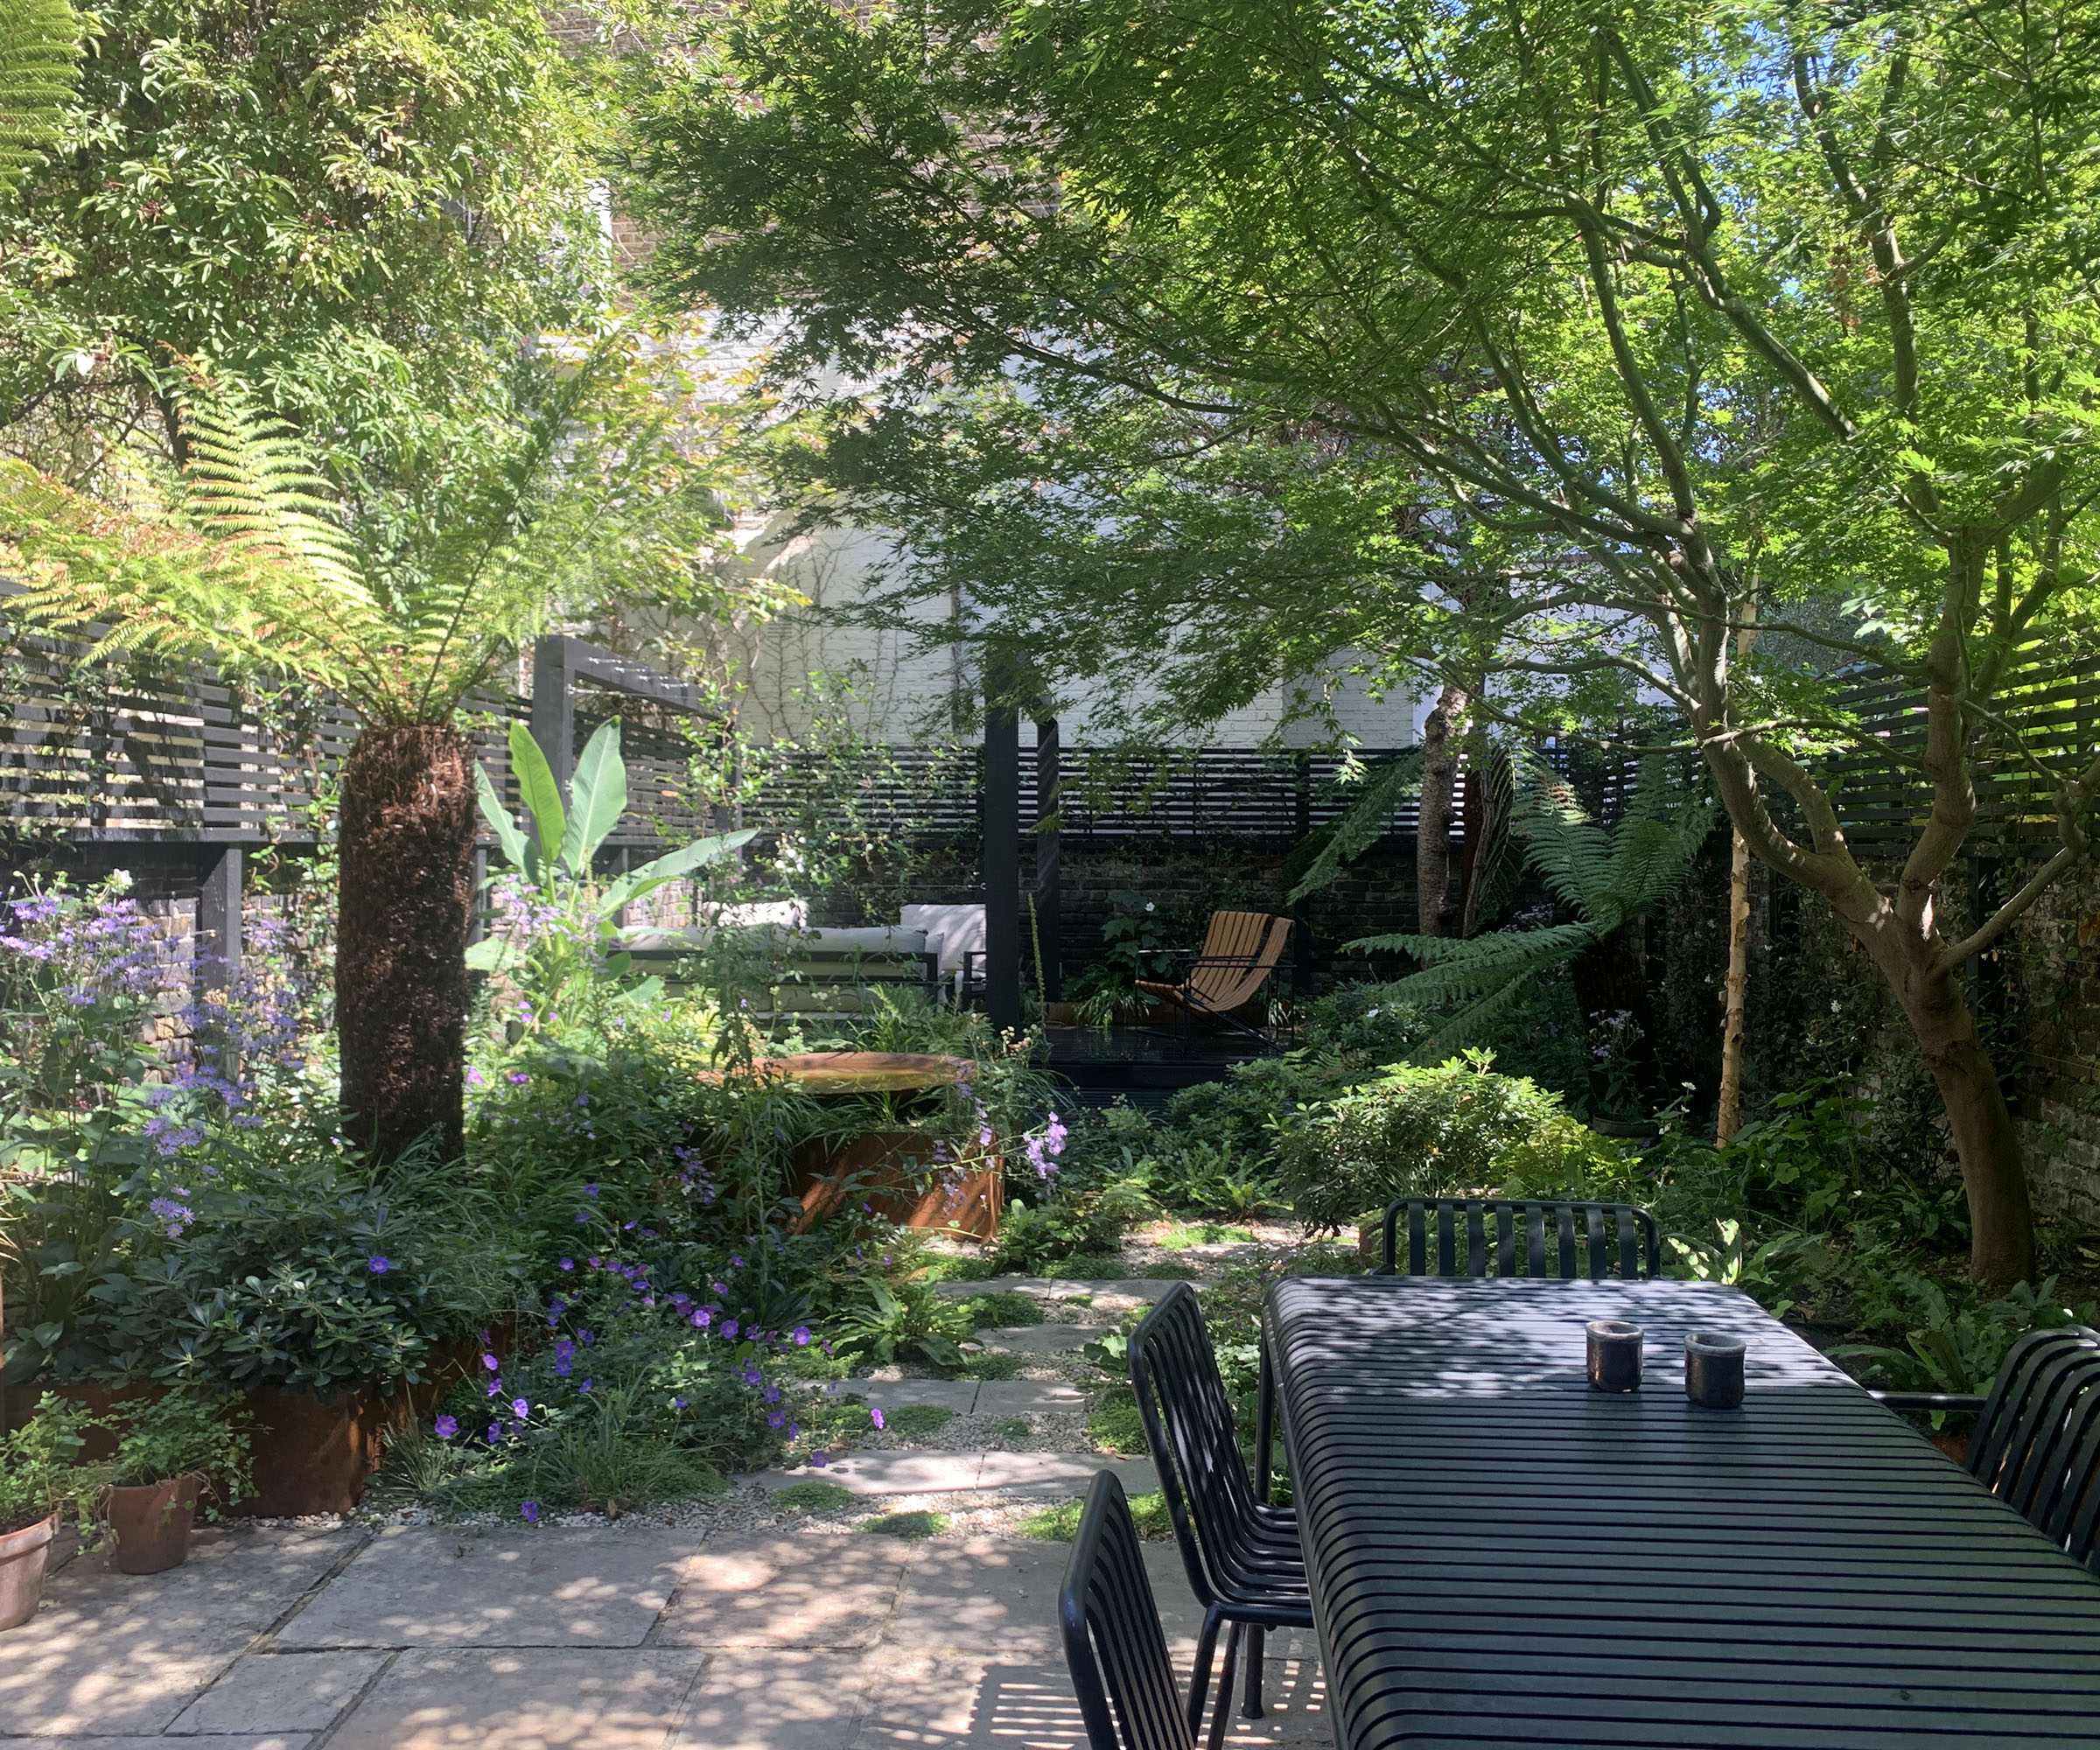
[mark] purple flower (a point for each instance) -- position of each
(530, 1510)
(736, 1263)
(590, 1191)
(520, 1409)
(567, 1263)
(517, 1078)
(801, 1336)
(490, 1362)
(729, 1327)
(875, 1416)
(378, 1266)
(677, 1404)
(586, 1336)
(820, 1459)
(778, 1419)
(702, 1319)
(446, 1426)
(495, 1432)
(582, 1215)
(585, 1386)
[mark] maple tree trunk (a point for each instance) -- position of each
(1994, 1176)
(1433, 832)
(403, 908)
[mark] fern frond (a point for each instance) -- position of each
(1364, 823)
(40, 47)
(1460, 966)
(251, 484)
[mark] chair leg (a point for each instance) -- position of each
(1198, 1679)
(1222, 1711)
(1250, 1707)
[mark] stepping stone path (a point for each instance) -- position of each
(963, 1473)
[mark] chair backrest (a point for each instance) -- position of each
(1117, 1650)
(2036, 1444)
(1228, 981)
(1498, 1236)
(1188, 1425)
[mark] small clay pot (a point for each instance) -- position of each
(22, 1557)
(152, 1524)
(1614, 1354)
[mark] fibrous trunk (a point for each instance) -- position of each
(1432, 834)
(405, 904)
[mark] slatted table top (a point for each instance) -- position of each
(1500, 1555)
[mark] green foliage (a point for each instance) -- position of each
(1457, 1129)
(1070, 1225)
(813, 1497)
(40, 1472)
(1954, 1345)
(180, 1434)
(901, 1320)
(990, 1364)
(1603, 877)
(912, 1525)
(1003, 1308)
(39, 45)
(918, 1421)
(1114, 1424)
(293, 1268)
(1181, 1238)
(1059, 1523)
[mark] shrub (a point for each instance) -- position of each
(1002, 1309)
(1456, 1129)
(181, 1435)
(1070, 1224)
(918, 1421)
(40, 1473)
(814, 1497)
(1116, 1425)
(912, 1525)
(291, 1268)
(1059, 1523)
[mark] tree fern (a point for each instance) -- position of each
(40, 43)
(1605, 876)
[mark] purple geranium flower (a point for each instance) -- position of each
(519, 1408)
(530, 1510)
(445, 1427)
(875, 1416)
(378, 1266)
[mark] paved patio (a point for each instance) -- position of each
(618, 1637)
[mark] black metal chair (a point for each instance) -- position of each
(2036, 1444)
(1243, 1556)
(1517, 1243)
(1114, 1644)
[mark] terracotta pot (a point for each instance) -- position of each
(22, 1557)
(151, 1524)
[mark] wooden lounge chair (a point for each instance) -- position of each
(1239, 951)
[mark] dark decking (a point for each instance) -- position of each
(1500, 1556)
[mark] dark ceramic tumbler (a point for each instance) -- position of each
(1615, 1355)
(1713, 1369)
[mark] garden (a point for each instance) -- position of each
(1550, 558)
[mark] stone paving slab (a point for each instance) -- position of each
(270, 1740)
(1131, 1288)
(112, 1654)
(295, 1692)
(1019, 1397)
(958, 1394)
(1042, 1340)
(778, 1700)
(817, 1591)
(1063, 1474)
(941, 1702)
(481, 1698)
(887, 1472)
(433, 1587)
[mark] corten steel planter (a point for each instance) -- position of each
(23, 1555)
(885, 1170)
(152, 1524)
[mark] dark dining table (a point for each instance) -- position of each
(1500, 1555)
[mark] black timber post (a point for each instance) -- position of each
(554, 709)
(1047, 858)
(218, 924)
(1002, 858)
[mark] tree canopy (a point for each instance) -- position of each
(1671, 320)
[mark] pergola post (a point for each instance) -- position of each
(1001, 863)
(1048, 857)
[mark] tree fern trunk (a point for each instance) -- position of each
(1433, 832)
(407, 896)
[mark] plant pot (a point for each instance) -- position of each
(887, 1169)
(23, 1555)
(151, 1524)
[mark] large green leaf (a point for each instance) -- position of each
(669, 867)
(535, 783)
(597, 796)
(498, 819)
